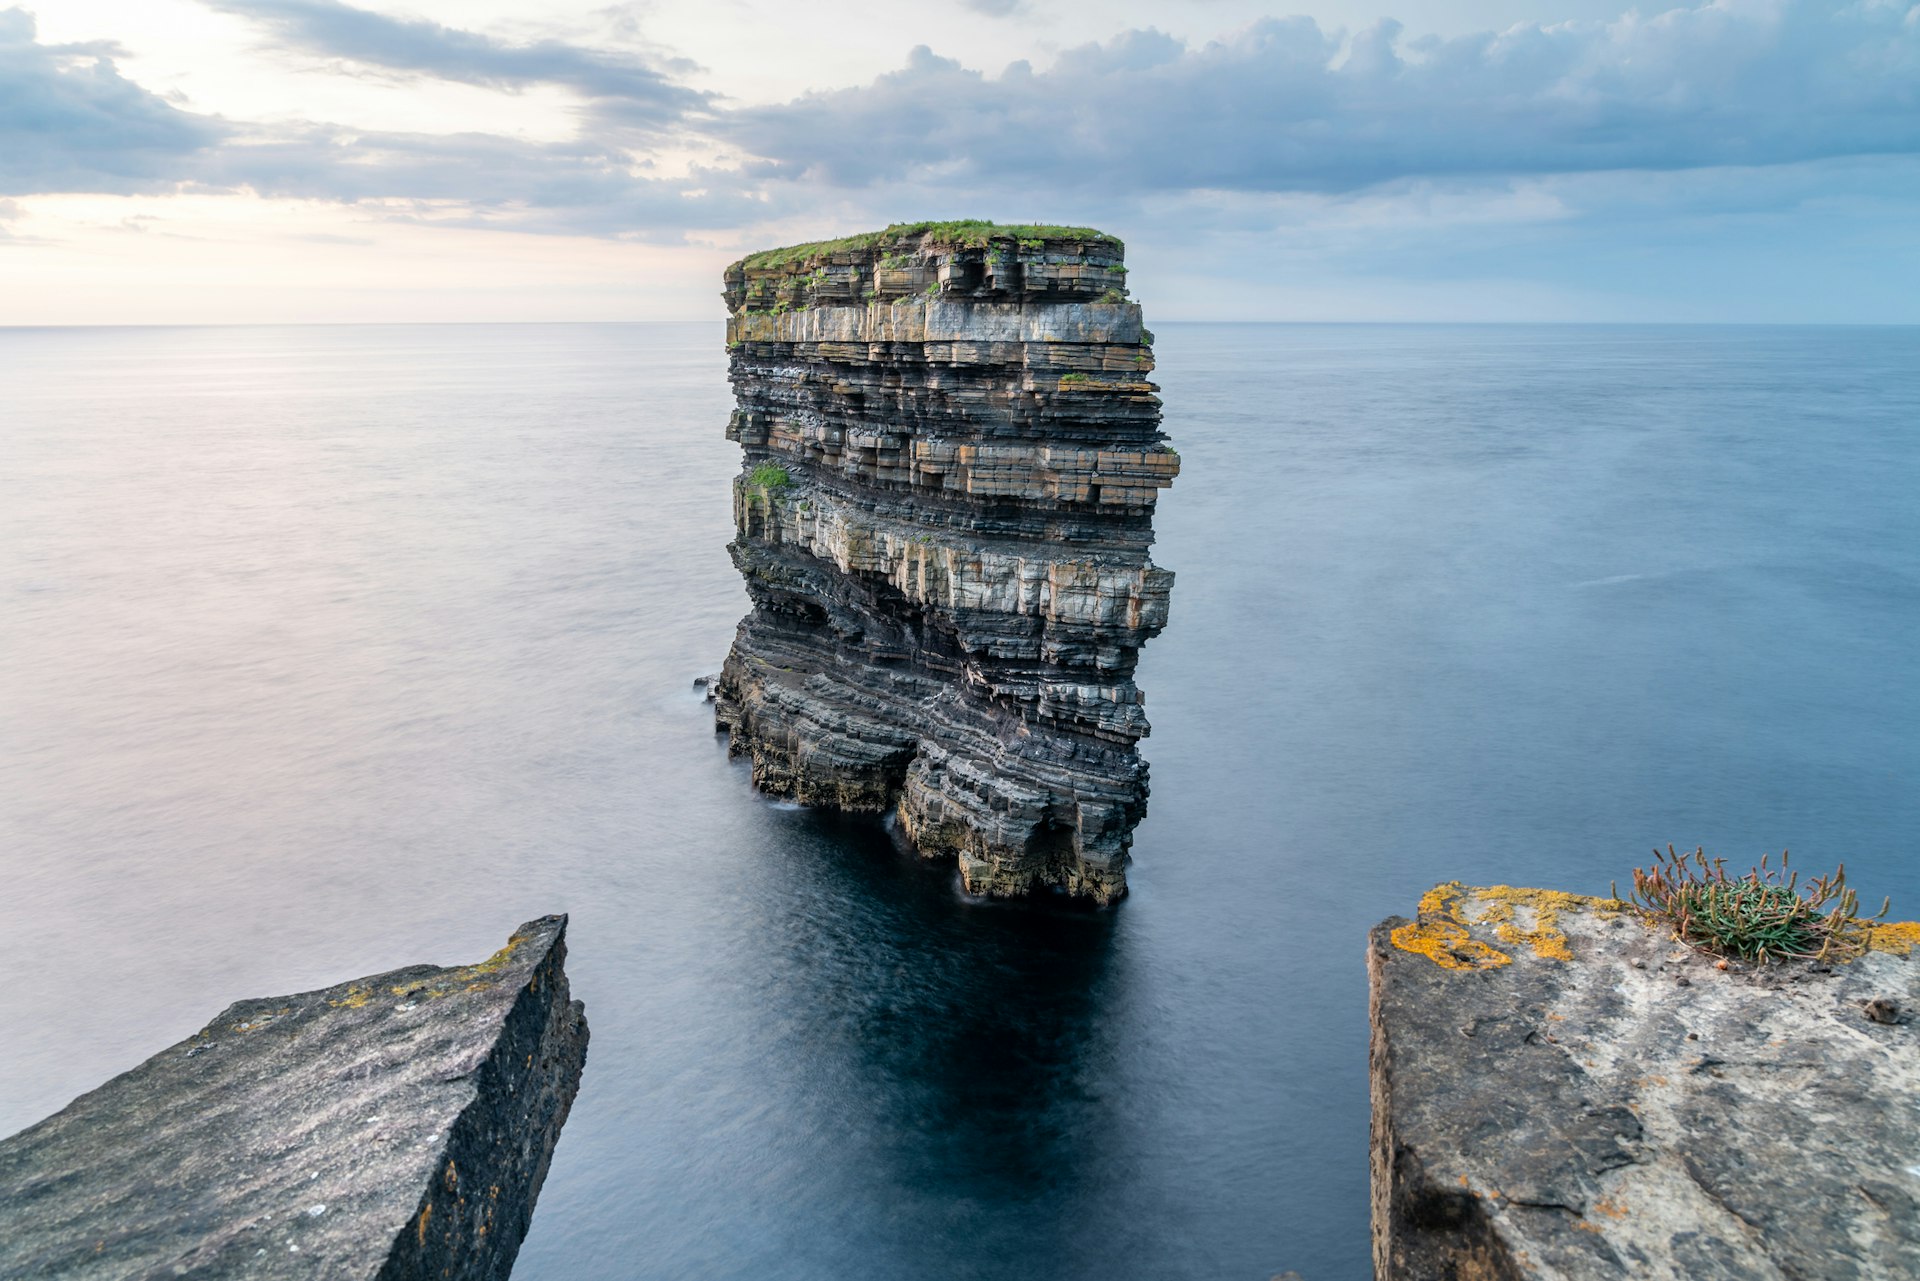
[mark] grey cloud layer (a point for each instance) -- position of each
(570, 188)
(1285, 106)
(623, 86)
(1282, 106)
(70, 122)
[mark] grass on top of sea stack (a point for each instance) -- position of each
(963, 233)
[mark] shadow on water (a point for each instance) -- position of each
(955, 1052)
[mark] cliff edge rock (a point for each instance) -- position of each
(1561, 1090)
(952, 454)
(394, 1127)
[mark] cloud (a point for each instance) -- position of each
(625, 88)
(1281, 129)
(1284, 105)
(69, 121)
(576, 188)
(995, 8)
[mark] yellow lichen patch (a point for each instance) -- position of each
(1606, 1207)
(1545, 937)
(356, 996)
(1898, 937)
(426, 1213)
(492, 965)
(1441, 934)
(1611, 1208)
(468, 978)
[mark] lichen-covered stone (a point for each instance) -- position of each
(1560, 1090)
(949, 569)
(395, 1127)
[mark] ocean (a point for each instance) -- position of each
(326, 650)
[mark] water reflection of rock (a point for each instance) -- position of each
(968, 1049)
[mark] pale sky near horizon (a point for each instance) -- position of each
(188, 161)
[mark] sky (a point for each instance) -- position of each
(257, 161)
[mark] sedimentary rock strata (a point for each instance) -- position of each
(1562, 1091)
(952, 457)
(394, 1127)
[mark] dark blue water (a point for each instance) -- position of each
(325, 650)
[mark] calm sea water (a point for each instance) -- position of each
(327, 650)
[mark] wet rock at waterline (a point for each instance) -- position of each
(395, 1127)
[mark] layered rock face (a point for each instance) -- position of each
(952, 456)
(395, 1127)
(1562, 1091)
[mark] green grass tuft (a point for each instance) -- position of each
(964, 233)
(769, 476)
(1762, 916)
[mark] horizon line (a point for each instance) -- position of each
(716, 320)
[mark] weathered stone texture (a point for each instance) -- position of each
(1560, 1090)
(951, 592)
(395, 1127)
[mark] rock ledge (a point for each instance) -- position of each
(398, 1126)
(1562, 1090)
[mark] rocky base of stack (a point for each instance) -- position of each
(1562, 1091)
(951, 460)
(398, 1126)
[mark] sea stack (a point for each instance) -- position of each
(952, 454)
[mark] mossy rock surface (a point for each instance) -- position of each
(961, 233)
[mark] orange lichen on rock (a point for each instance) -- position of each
(1545, 937)
(1898, 937)
(1441, 933)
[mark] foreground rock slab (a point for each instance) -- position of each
(952, 456)
(398, 1126)
(1562, 1090)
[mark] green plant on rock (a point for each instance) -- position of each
(1076, 380)
(964, 233)
(1762, 916)
(771, 477)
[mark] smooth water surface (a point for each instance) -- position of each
(328, 650)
